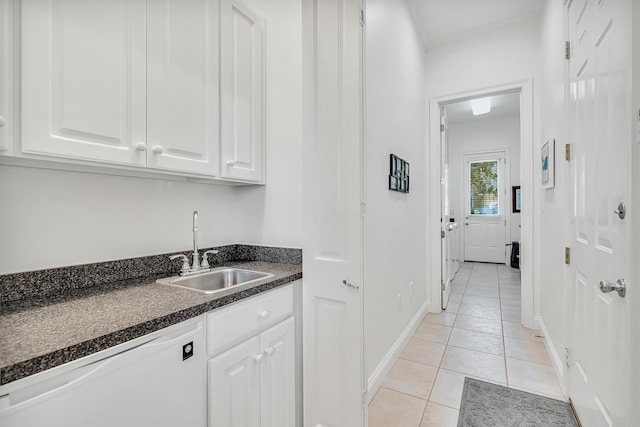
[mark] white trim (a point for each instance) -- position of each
(525, 87)
(380, 373)
(554, 356)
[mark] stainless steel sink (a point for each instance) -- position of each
(215, 280)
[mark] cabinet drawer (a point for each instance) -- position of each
(243, 319)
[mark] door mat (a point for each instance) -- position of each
(491, 405)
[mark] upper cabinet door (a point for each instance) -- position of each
(6, 77)
(83, 79)
(183, 106)
(242, 82)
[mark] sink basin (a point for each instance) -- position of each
(215, 280)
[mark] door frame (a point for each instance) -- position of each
(506, 183)
(527, 243)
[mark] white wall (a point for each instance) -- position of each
(502, 57)
(554, 209)
(395, 249)
(478, 135)
(52, 218)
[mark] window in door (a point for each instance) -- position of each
(483, 186)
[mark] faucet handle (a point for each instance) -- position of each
(205, 260)
(185, 261)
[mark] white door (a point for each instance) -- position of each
(277, 379)
(234, 386)
(333, 366)
(445, 226)
(601, 139)
(242, 95)
(83, 79)
(182, 85)
(485, 216)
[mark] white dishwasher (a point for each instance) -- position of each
(159, 383)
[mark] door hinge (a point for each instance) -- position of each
(442, 234)
(363, 17)
(567, 255)
(567, 152)
(567, 359)
(441, 128)
(567, 50)
(442, 287)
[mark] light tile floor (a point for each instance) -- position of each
(479, 336)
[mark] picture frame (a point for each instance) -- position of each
(398, 174)
(548, 163)
(516, 199)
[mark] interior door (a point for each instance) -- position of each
(333, 356)
(599, 377)
(445, 229)
(485, 215)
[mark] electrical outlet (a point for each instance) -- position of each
(410, 291)
(399, 302)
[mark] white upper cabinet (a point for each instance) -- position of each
(183, 110)
(242, 62)
(84, 79)
(169, 85)
(6, 77)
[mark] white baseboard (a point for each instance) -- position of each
(556, 360)
(381, 371)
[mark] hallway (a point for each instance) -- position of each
(478, 336)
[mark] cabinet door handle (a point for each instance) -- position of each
(231, 162)
(141, 146)
(158, 149)
(263, 315)
(269, 350)
(258, 357)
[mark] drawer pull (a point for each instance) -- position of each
(263, 315)
(258, 357)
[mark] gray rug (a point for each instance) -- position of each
(486, 404)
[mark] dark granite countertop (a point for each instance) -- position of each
(35, 336)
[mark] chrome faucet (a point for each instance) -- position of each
(195, 266)
(196, 256)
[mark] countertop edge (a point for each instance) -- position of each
(40, 363)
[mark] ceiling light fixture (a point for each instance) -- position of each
(481, 106)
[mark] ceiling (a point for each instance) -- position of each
(442, 21)
(501, 105)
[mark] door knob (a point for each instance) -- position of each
(141, 146)
(258, 357)
(158, 149)
(350, 284)
(620, 287)
(621, 211)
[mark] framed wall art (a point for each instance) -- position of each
(515, 199)
(548, 163)
(398, 174)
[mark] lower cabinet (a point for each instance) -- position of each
(251, 349)
(252, 384)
